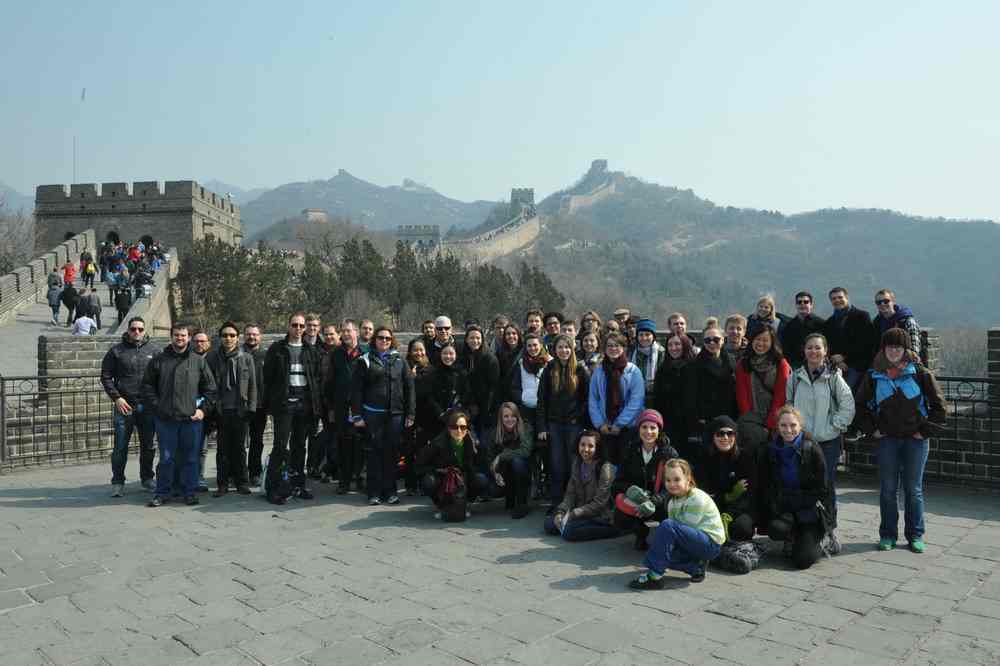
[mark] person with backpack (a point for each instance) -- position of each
(453, 469)
(585, 511)
(900, 404)
(383, 401)
(794, 495)
(820, 392)
(236, 382)
(638, 490)
(510, 452)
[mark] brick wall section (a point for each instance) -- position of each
(27, 284)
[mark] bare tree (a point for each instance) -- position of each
(16, 238)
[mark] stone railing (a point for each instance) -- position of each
(27, 284)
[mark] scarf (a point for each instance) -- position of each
(230, 380)
(587, 469)
(764, 373)
(535, 365)
(648, 360)
(614, 400)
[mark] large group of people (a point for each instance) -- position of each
(692, 446)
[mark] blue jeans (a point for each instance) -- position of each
(680, 547)
(831, 451)
(562, 441)
(125, 424)
(382, 448)
(901, 459)
(583, 529)
(178, 448)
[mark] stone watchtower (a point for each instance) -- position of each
(181, 212)
(421, 237)
(522, 202)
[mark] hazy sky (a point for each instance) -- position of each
(780, 105)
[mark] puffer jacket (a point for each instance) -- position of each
(124, 367)
(900, 407)
(383, 385)
(53, 297)
(589, 499)
(826, 402)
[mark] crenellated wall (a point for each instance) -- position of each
(175, 213)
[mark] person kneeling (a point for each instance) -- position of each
(510, 451)
(638, 489)
(691, 535)
(452, 469)
(794, 471)
(584, 513)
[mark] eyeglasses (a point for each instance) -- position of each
(713, 340)
(460, 428)
(442, 328)
(725, 433)
(384, 338)
(297, 325)
(228, 335)
(803, 301)
(882, 301)
(136, 329)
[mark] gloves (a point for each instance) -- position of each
(734, 493)
(637, 494)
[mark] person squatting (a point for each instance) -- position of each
(692, 450)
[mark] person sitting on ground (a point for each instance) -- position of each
(689, 538)
(821, 394)
(510, 451)
(453, 469)
(794, 494)
(761, 377)
(638, 490)
(729, 476)
(585, 512)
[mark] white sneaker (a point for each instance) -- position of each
(117, 489)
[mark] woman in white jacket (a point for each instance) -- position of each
(819, 391)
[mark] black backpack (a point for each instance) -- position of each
(277, 487)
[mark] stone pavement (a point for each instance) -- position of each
(91, 580)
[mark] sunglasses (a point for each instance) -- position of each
(228, 335)
(136, 329)
(385, 338)
(460, 428)
(803, 301)
(442, 328)
(297, 325)
(713, 340)
(882, 301)
(725, 433)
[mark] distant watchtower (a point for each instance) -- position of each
(422, 237)
(522, 202)
(176, 215)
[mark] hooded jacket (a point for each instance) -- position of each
(124, 367)
(900, 407)
(383, 383)
(902, 317)
(826, 402)
(176, 384)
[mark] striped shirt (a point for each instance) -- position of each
(697, 510)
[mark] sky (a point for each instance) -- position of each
(787, 106)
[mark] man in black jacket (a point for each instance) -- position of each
(178, 388)
(122, 371)
(236, 381)
(793, 335)
(337, 390)
(257, 421)
(294, 397)
(851, 337)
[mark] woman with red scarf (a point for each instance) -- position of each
(617, 396)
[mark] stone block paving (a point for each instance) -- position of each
(85, 579)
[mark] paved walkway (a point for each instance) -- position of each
(19, 351)
(91, 580)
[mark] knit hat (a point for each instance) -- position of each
(720, 422)
(646, 325)
(895, 337)
(652, 416)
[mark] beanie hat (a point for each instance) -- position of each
(720, 422)
(646, 325)
(895, 337)
(652, 416)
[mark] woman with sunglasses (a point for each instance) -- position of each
(454, 451)
(729, 476)
(383, 402)
(709, 387)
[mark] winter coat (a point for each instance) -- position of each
(709, 390)
(383, 385)
(781, 320)
(635, 471)
(483, 372)
(853, 337)
(339, 378)
(793, 337)
(70, 297)
(719, 475)
(652, 368)
(124, 367)
(277, 365)
(176, 384)
(507, 448)
(507, 361)
(246, 376)
(53, 280)
(123, 302)
(633, 392)
(259, 355)
(562, 407)
(826, 402)
(449, 389)
(775, 499)
(589, 499)
(439, 454)
(744, 391)
(426, 419)
(911, 403)
(54, 296)
(902, 317)
(434, 350)
(515, 392)
(668, 393)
